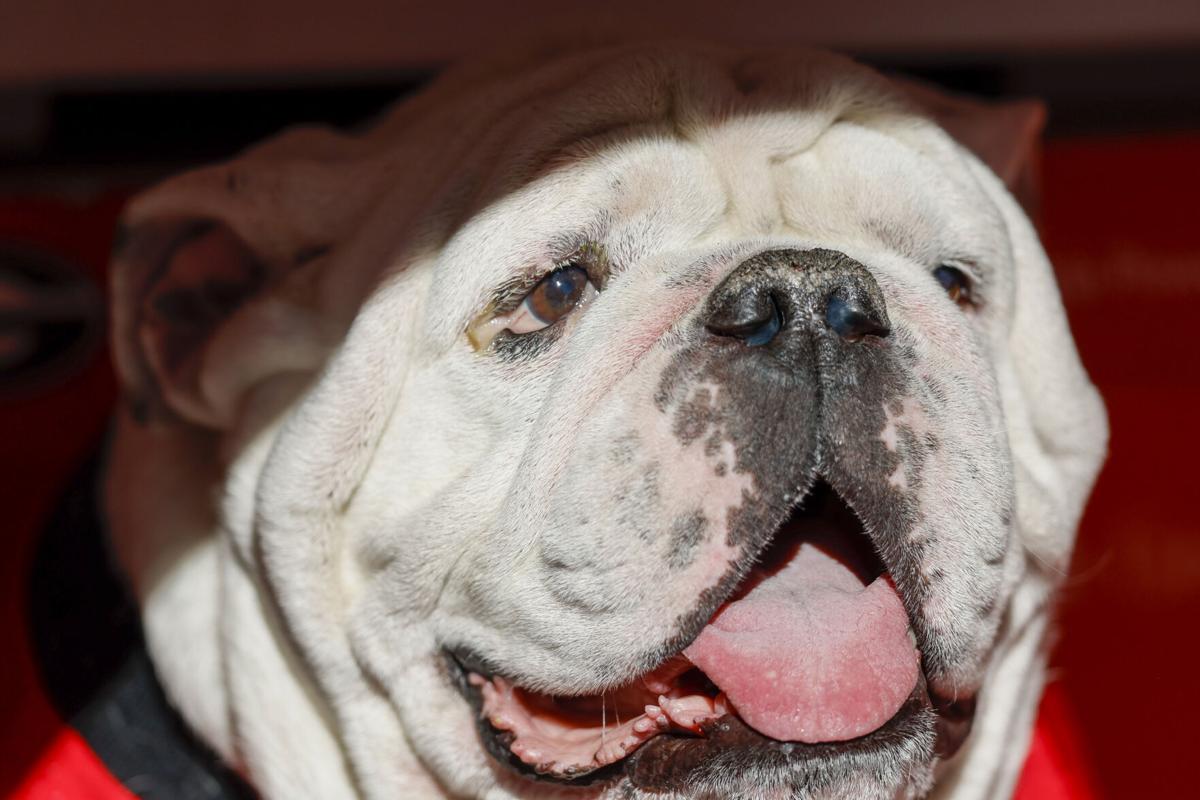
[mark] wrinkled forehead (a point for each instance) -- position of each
(649, 153)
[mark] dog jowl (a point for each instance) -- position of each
(647, 421)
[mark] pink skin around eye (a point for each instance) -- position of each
(522, 321)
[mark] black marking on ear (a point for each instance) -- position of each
(687, 532)
(193, 312)
(178, 299)
(146, 250)
(212, 300)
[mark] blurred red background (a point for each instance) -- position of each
(1121, 223)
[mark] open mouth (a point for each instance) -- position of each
(812, 651)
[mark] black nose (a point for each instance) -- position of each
(773, 292)
(752, 316)
(852, 321)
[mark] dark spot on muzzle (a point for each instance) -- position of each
(766, 373)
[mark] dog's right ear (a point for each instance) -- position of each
(1003, 134)
(216, 280)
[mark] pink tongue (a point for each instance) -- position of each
(811, 654)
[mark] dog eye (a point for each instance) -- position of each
(956, 283)
(552, 299)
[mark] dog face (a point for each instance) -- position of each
(649, 421)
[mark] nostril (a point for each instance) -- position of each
(853, 321)
(768, 330)
(753, 316)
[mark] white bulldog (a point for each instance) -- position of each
(651, 421)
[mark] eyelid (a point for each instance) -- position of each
(966, 266)
(507, 298)
(482, 333)
(510, 295)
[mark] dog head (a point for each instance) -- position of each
(643, 420)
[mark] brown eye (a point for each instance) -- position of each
(554, 296)
(552, 299)
(956, 283)
(557, 293)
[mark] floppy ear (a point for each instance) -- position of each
(1004, 135)
(215, 278)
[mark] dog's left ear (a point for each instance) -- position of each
(1004, 135)
(216, 278)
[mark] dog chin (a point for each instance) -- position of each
(749, 701)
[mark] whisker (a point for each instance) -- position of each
(603, 718)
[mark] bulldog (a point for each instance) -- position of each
(653, 421)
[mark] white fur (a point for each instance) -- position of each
(307, 531)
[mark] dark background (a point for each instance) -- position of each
(95, 103)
